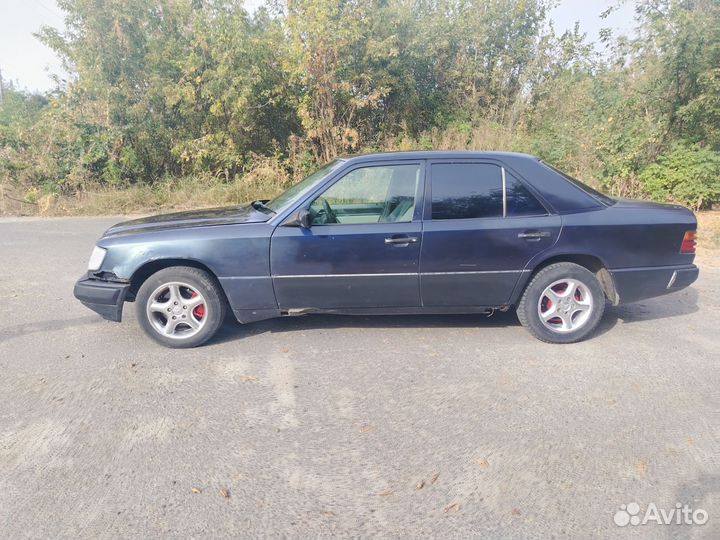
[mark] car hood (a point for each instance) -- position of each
(195, 218)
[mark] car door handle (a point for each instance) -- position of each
(534, 235)
(402, 240)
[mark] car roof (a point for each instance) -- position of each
(435, 154)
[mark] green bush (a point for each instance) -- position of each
(688, 175)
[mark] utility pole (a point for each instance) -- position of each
(1, 89)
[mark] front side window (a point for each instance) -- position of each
(378, 194)
(466, 191)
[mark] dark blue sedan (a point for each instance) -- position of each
(398, 233)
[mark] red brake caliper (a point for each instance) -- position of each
(199, 311)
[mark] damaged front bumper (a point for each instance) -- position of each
(106, 298)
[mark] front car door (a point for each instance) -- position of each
(362, 249)
(482, 226)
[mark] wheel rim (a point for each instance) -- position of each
(565, 305)
(177, 310)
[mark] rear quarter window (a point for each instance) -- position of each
(520, 202)
(594, 193)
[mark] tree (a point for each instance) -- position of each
(199, 87)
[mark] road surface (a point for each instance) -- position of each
(319, 427)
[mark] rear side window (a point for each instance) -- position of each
(520, 202)
(466, 190)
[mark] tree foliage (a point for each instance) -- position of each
(177, 87)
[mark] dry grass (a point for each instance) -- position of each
(264, 181)
(485, 136)
(709, 238)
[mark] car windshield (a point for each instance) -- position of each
(609, 201)
(296, 191)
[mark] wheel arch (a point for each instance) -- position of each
(592, 263)
(147, 269)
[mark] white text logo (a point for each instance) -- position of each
(680, 514)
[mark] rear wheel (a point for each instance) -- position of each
(563, 303)
(180, 307)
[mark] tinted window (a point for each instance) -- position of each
(466, 190)
(587, 189)
(520, 202)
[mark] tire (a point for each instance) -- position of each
(180, 307)
(570, 292)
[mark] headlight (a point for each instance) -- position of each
(96, 259)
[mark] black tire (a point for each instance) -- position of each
(214, 307)
(528, 310)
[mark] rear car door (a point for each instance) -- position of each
(363, 247)
(482, 226)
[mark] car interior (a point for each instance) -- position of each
(369, 195)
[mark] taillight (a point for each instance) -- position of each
(689, 242)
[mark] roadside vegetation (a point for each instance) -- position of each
(189, 103)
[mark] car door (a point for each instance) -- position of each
(482, 226)
(362, 249)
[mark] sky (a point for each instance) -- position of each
(28, 63)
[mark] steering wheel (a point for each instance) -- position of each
(330, 215)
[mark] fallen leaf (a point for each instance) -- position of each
(516, 512)
(434, 477)
(454, 507)
(247, 378)
(328, 513)
(386, 493)
(420, 484)
(641, 467)
(225, 492)
(365, 428)
(196, 490)
(483, 463)
(285, 350)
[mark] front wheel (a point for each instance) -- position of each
(180, 307)
(563, 303)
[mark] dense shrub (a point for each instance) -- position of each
(687, 175)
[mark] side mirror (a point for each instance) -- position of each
(299, 218)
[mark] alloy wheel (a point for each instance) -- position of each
(565, 305)
(177, 310)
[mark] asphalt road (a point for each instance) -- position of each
(317, 427)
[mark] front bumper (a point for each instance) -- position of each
(105, 298)
(635, 284)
